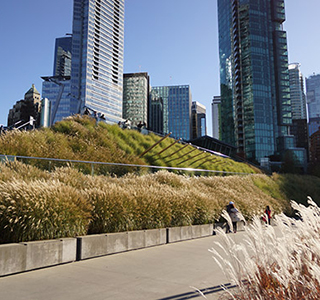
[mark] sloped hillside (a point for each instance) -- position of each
(80, 138)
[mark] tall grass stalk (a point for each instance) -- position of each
(280, 262)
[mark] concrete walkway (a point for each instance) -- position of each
(165, 272)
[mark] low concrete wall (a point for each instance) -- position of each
(206, 229)
(117, 242)
(15, 258)
(196, 231)
(103, 244)
(91, 246)
(176, 234)
(48, 253)
(12, 258)
(21, 257)
(155, 237)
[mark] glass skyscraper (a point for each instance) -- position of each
(297, 95)
(313, 100)
(62, 57)
(170, 111)
(97, 57)
(255, 93)
(299, 107)
(198, 120)
(56, 88)
(136, 97)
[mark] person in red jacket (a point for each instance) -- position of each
(268, 214)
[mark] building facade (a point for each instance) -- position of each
(313, 100)
(198, 120)
(97, 57)
(62, 57)
(315, 147)
(136, 98)
(299, 107)
(297, 94)
(170, 111)
(57, 88)
(216, 119)
(254, 78)
(25, 110)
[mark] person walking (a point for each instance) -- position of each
(234, 216)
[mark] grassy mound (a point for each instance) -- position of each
(80, 138)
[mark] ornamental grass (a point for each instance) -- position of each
(277, 263)
(36, 204)
(39, 210)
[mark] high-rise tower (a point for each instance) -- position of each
(299, 107)
(170, 110)
(198, 120)
(136, 97)
(56, 88)
(97, 56)
(313, 99)
(255, 94)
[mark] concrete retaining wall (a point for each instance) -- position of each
(176, 234)
(102, 244)
(22, 257)
(12, 258)
(15, 258)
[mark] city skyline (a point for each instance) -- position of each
(175, 42)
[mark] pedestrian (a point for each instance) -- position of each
(268, 214)
(234, 216)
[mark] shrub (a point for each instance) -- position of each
(41, 210)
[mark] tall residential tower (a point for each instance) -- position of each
(97, 56)
(299, 107)
(255, 94)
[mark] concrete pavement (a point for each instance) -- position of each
(167, 272)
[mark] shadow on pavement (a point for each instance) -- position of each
(205, 291)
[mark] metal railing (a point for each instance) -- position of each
(11, 158)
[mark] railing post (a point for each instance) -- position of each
(92, 169)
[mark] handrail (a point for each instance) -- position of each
(7, 157)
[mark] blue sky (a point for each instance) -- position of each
(175, 41)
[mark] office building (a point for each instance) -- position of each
(136, 98)
(62, 57)
(315, 147)
(97, 57)
(170, 111)
(299, 127)
(216, 116)
(313, 100)
(57, 88)
(255, 95)
(198, 120)
(25, 110)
